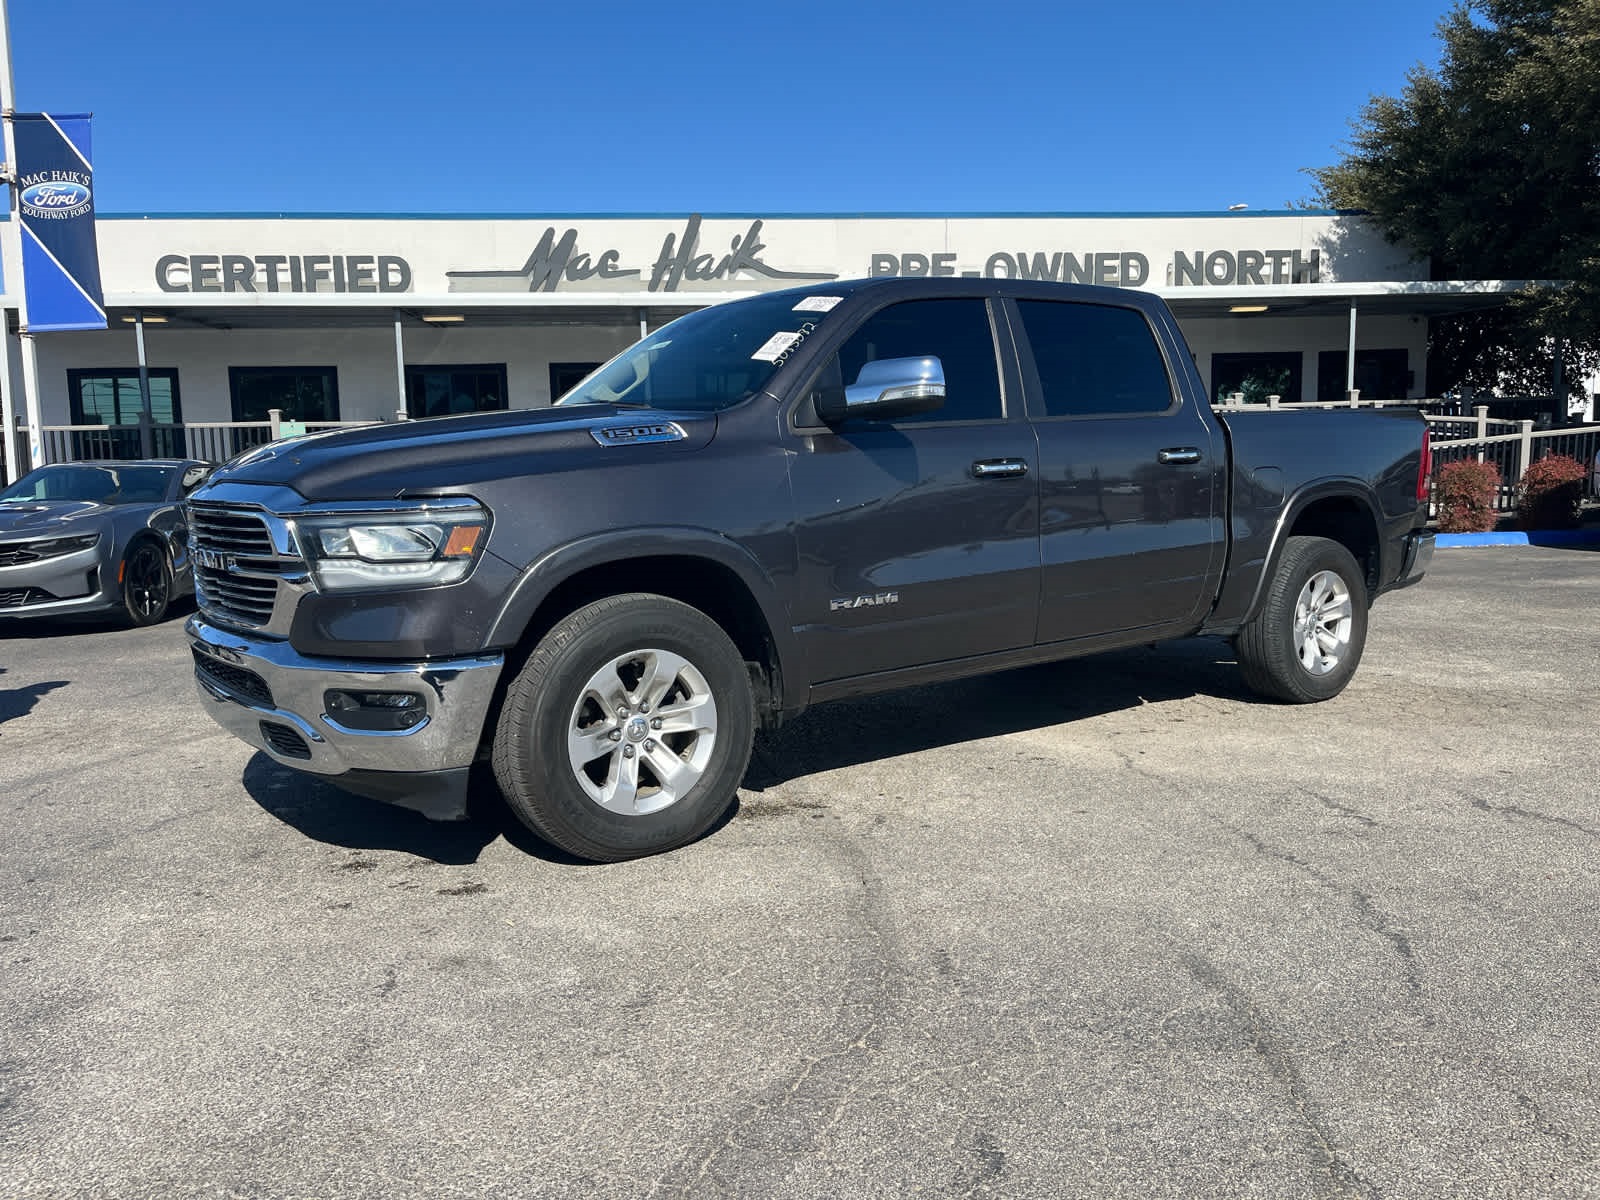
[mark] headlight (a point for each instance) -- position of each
(411, 546)
(53, 548)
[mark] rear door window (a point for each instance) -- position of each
(1094, 360)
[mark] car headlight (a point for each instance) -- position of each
(411, 546)
(56, 547)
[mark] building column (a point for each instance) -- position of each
(399, 370)
(1350, 356)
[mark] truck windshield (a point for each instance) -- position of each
(709, 360)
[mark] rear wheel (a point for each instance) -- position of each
(627, 731)
(1307, 639)
(146, 583)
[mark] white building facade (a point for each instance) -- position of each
(364, 318)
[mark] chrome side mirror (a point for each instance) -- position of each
(889, 388)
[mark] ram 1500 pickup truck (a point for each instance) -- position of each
(767, 504)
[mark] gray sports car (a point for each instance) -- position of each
(97, 537)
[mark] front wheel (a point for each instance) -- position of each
(627, 731)
(1306, 641)
(146, 583)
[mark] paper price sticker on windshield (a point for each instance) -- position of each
(817, 304)
(772, 349)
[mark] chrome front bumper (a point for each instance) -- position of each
(266, 694)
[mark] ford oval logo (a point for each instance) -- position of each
(55, 195)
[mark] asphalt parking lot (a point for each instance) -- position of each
(1106, 928)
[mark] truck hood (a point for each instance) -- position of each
(33, 518)
(450, 454)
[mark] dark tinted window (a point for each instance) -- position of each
(439, 391)
(1094, 359)
(957, 331)
(298, 393)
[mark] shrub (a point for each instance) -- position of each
(1550, 495)
(1464, 494)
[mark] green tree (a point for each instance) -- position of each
(1488, 165)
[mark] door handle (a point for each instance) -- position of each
(999, 468)
(1180, 456)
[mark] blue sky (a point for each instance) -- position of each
(498, 106)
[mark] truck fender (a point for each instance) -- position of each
(1308, 494)
(555, 567)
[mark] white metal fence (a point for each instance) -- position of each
(210, 441)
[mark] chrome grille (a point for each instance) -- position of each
(236, 565)
(230, 532)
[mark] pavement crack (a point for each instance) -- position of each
(1367, 913)
(1541, 1122)
(790, 1117)
(1325, 1154)
(1512, 810)
(1343, 810)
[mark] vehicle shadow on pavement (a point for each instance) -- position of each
(849, 732)
(326, 813)
(19, 702)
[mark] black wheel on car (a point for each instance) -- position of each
(1306, 641)
(627, 731)
(146, 583)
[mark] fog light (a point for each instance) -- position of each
(376, 712)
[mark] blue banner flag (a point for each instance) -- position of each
(55, 195)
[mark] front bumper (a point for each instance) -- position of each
(57, 587)
(272, 697)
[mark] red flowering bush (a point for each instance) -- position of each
(1550, 495)
(1464, 496)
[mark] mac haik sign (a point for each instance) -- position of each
(55, 201)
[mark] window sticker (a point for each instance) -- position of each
(817, 304)
(773, 348)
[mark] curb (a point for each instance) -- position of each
(1544, 537)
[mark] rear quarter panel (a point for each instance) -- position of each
(1286, 460)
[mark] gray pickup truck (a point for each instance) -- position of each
(767, 504)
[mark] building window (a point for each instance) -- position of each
(299, 393)
(440, 391)
(1380, 375)
(567, 375)
(1256, 375)
(110, 396)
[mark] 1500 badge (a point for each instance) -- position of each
(869, 601)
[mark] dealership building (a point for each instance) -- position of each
(367, 318)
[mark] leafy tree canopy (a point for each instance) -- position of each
(1488, 165)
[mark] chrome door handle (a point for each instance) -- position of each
(999, 468)
(1181, 456)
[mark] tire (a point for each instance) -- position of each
(627, 731)
(1306, 641)
(146, 583)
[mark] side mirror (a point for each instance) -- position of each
(888, 388)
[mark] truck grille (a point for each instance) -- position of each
(236, 566)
